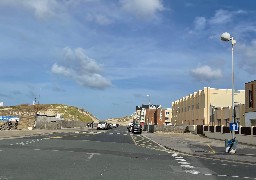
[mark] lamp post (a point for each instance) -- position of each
(148, 110)
(226, 37)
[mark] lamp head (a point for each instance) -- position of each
(225, 36)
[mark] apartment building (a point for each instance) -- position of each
(209, 106)
(250, 103)
(153, 114)
(168, 116)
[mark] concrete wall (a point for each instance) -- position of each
(44, 122)
(241, 138)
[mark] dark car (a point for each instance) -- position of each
(136, 128)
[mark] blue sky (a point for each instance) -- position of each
(106, 55)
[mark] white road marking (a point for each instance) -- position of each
(37, 149)
(208, 174)
(192, 171)
(56, 150)
(187, 166)
(91, 155)
(235, 176)
(117, 133)
(180, 160)
(183, 162)
(179, 157)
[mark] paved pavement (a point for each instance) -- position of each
(203, 147)
(10, 134)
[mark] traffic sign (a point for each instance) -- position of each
(233, 126)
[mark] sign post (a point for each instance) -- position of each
(231, 144)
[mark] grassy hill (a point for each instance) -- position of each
(27, 113)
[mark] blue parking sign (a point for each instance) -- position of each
(233, 126)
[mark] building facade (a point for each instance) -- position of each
(152, 115)
(209, 106)
(250, 103)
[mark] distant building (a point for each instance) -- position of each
(152, 115)
(250, 103)
(209, 106)
(168, 116)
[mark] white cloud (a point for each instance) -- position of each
(206, 73)
(82, 69)
(224, 16)
(42, 9)
(248, 61)
(221, 17)
(200, 23)
(142, 8)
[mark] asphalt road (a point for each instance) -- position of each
(112, 154)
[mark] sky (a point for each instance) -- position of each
(106, 56)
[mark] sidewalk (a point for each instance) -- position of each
(6, 134)
(203, 147)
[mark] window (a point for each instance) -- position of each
(250, 99)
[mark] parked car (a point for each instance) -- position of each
(136, 128)
(103, 125)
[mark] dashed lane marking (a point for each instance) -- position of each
(57, 137)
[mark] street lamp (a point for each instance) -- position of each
(148, 109)
(226, 37)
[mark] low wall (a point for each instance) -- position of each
(241, 138)
(175, 129)
(55, 123)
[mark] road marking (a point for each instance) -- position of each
(184, 163)
(208, 174)
(192, 172)
(211, 149)
(180, 160)
(221, 175)
(187, 166)
(117, 133)
(175, 154)
(37, 149)
(56, 137)
(179, 157)
(55, 150)
(91, 155)
(235, 176)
